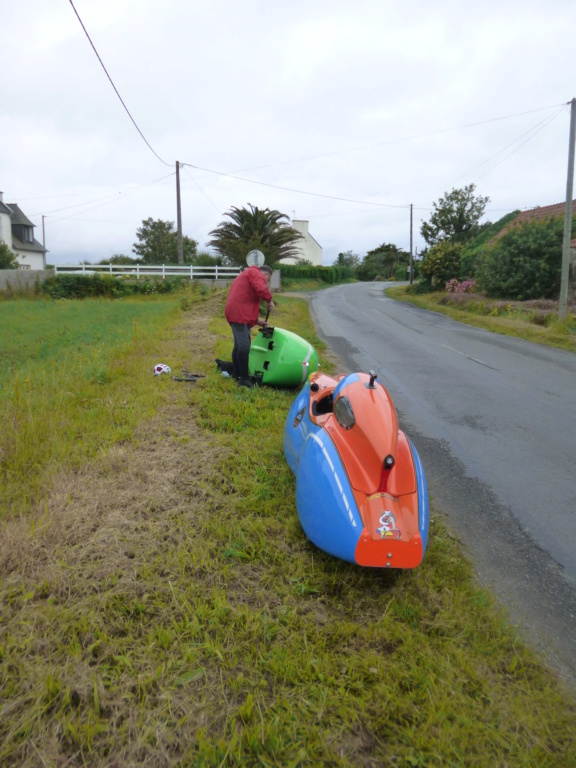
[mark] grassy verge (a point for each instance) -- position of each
(161, 606)
(73, 381)
(521, 319)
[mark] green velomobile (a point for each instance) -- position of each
(280, 358)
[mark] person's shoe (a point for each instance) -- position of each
(241, 382)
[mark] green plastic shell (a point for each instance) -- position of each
(281, 358)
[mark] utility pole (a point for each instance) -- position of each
(411, 244)
(43, 232)
(179, 216)
(562, 304)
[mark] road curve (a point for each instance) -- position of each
(494, 420)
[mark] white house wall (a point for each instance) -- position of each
(28, 260)
(6, 230)
(34, 259)
(308, 247)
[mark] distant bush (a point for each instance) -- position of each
(441, 263)
(525, 263)
(307, 272)
(401, 273)
(85, 286)
(473, 250)
(420, 286)
(8, 259)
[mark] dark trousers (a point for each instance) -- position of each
(241, 351)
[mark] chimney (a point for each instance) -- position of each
(1, 197)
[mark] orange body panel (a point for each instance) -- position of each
(387, 500)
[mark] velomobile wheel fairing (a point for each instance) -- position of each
(280, 358)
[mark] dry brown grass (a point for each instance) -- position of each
(547, 306)
(93, 516)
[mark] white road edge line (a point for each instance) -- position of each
(458, 352)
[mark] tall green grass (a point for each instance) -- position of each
(75, 377)
(190, 623)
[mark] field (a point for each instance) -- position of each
(160, 605)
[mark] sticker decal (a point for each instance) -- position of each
(382, 495)
(388, 528)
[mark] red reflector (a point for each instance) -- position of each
(383, 480)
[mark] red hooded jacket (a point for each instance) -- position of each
(246, 292)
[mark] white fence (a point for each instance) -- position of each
(149, 270)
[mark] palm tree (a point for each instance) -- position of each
(255, 228)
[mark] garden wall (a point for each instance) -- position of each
(22, 279)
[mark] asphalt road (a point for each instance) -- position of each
(494, 421)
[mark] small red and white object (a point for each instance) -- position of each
(161, 368)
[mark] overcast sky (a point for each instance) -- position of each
(344, 113)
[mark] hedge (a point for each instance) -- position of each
(84, 286)
(308, 271)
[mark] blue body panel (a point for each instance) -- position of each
(324, 499)
(352, 377)
(423, 499)
(294, 437)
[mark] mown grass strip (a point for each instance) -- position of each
(76, 377)
(189, 622)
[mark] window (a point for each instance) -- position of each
(344, 413)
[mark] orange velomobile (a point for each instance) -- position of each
(361, 491)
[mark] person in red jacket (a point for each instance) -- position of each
(242, 307)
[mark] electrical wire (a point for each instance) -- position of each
(289, 189)
(518, 147)
(115, 89)
(534, 131)
(201, 190)
(106, 197)
(233, 175)
(396, 141)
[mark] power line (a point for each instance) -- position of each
(289, 189)
(533, 131)
(233, 175)
(115, 89)
(200, 189)
(106, 197)
(397, 140)
(520, 145)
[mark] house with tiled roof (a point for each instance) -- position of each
(17, 231)
(542, 213)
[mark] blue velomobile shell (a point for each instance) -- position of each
(361, 490)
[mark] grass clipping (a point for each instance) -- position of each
(163, 607)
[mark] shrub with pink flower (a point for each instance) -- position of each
(466, 286)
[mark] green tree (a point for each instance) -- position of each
(158, 243)
(380, 261)
(255, 228)
(205, 259)
(441, 264)
(8, 259)
(525, 263)
(347, 259)
(455, 216)
(120, 258)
